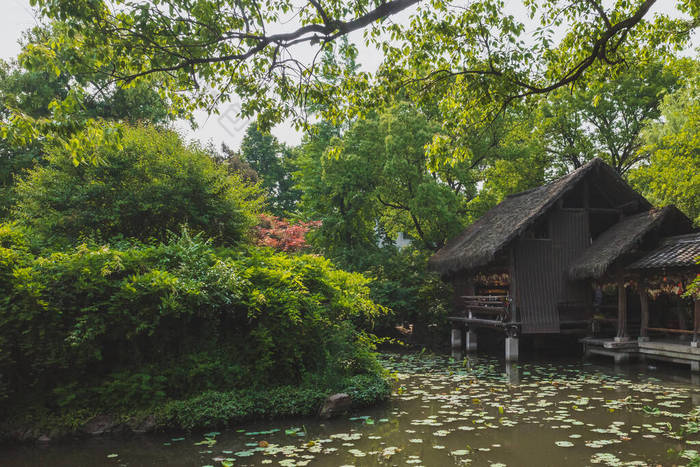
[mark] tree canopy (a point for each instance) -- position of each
(272, 161)
(478, 58)
(605, 117)
(672, 146)
(378, 178)
(33, 90)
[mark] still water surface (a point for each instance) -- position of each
(444, 411)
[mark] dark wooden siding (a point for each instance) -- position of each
(541, 272)
(571, 238)
(537, 294)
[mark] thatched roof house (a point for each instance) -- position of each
(535, 252)
(479, 243)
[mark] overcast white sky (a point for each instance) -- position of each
(17, 16)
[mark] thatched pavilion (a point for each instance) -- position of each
(605, 261)
(668, 270)
(669, 314)
(528, 265)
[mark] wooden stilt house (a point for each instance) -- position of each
(512, 268)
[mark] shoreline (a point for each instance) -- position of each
(207, 410)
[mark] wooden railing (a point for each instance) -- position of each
(688, 332)
(496, 306)
(672, 330)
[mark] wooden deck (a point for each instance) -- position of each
(670, 350)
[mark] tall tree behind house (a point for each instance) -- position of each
(273, 162)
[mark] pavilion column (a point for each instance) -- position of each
(512, 344)
(644, 325)
(621, 310)
(695, 365)
(470, 335)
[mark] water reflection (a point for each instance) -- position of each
(695, 378)
(513, 372)
(445, 410)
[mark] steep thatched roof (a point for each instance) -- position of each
(619, 240)
(479, 243)
(681, 251)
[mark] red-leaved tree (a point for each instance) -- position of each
(282, 235)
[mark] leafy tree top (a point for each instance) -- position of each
(605, 118)
(151, 186)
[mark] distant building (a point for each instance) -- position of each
(402, 240)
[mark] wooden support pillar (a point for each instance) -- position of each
(512, 372)
(512, 291)
(696, 321)
(644, 325)
(621, 311)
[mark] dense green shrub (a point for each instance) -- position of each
(131, 327)
(216, 408)
(401, 282)
(14, 253)
(150, 186)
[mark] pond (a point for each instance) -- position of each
(445, 411)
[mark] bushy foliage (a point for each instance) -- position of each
(14, 252)
(13, 163)
(217, 408)
(114, 328)
(150, 186)
(402, 283)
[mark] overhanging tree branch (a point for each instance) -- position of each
(311, 33)
(600, 50)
